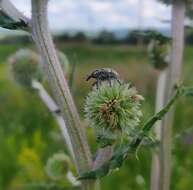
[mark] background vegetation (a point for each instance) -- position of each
(29, 135)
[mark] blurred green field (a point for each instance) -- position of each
(29, 135)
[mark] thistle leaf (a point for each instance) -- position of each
(9, 23)
(11, 18)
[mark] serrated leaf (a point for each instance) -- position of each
(8, 23)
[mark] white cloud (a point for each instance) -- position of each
(100, 6)
(23, 5)
(95, 14)
(131, 2)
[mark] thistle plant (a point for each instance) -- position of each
(113, 111)
(113, 108)
(25, 67)
(58, 166)
(159, 55)
(37, 27)
(159, 50)
(9, 23)
(104, 105)
(59, 169)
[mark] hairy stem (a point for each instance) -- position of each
(54, 109)
(155, 165)
(173, 77)
(103, 156)
(44, 42)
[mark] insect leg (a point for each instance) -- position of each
(119, 81)
(110, 84)
(98, 83)
(95, 83)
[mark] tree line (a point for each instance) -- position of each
(104, 37)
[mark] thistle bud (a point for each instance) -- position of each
(113, 111)
(58, 166)
(25, 67)
(159, 54)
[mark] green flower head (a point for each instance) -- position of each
(113, 111)
(57, 166)
(159, 53)
(25, 66)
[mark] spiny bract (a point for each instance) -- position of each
(113, 111)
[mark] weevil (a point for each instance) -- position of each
(104, 74)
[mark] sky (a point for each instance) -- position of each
(102, 14)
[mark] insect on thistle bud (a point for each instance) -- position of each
(103, 75)
(114, 111)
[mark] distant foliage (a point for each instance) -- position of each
(105, 37)
(189, 36)
(79, 37)
(189, 12)
(171, 1)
